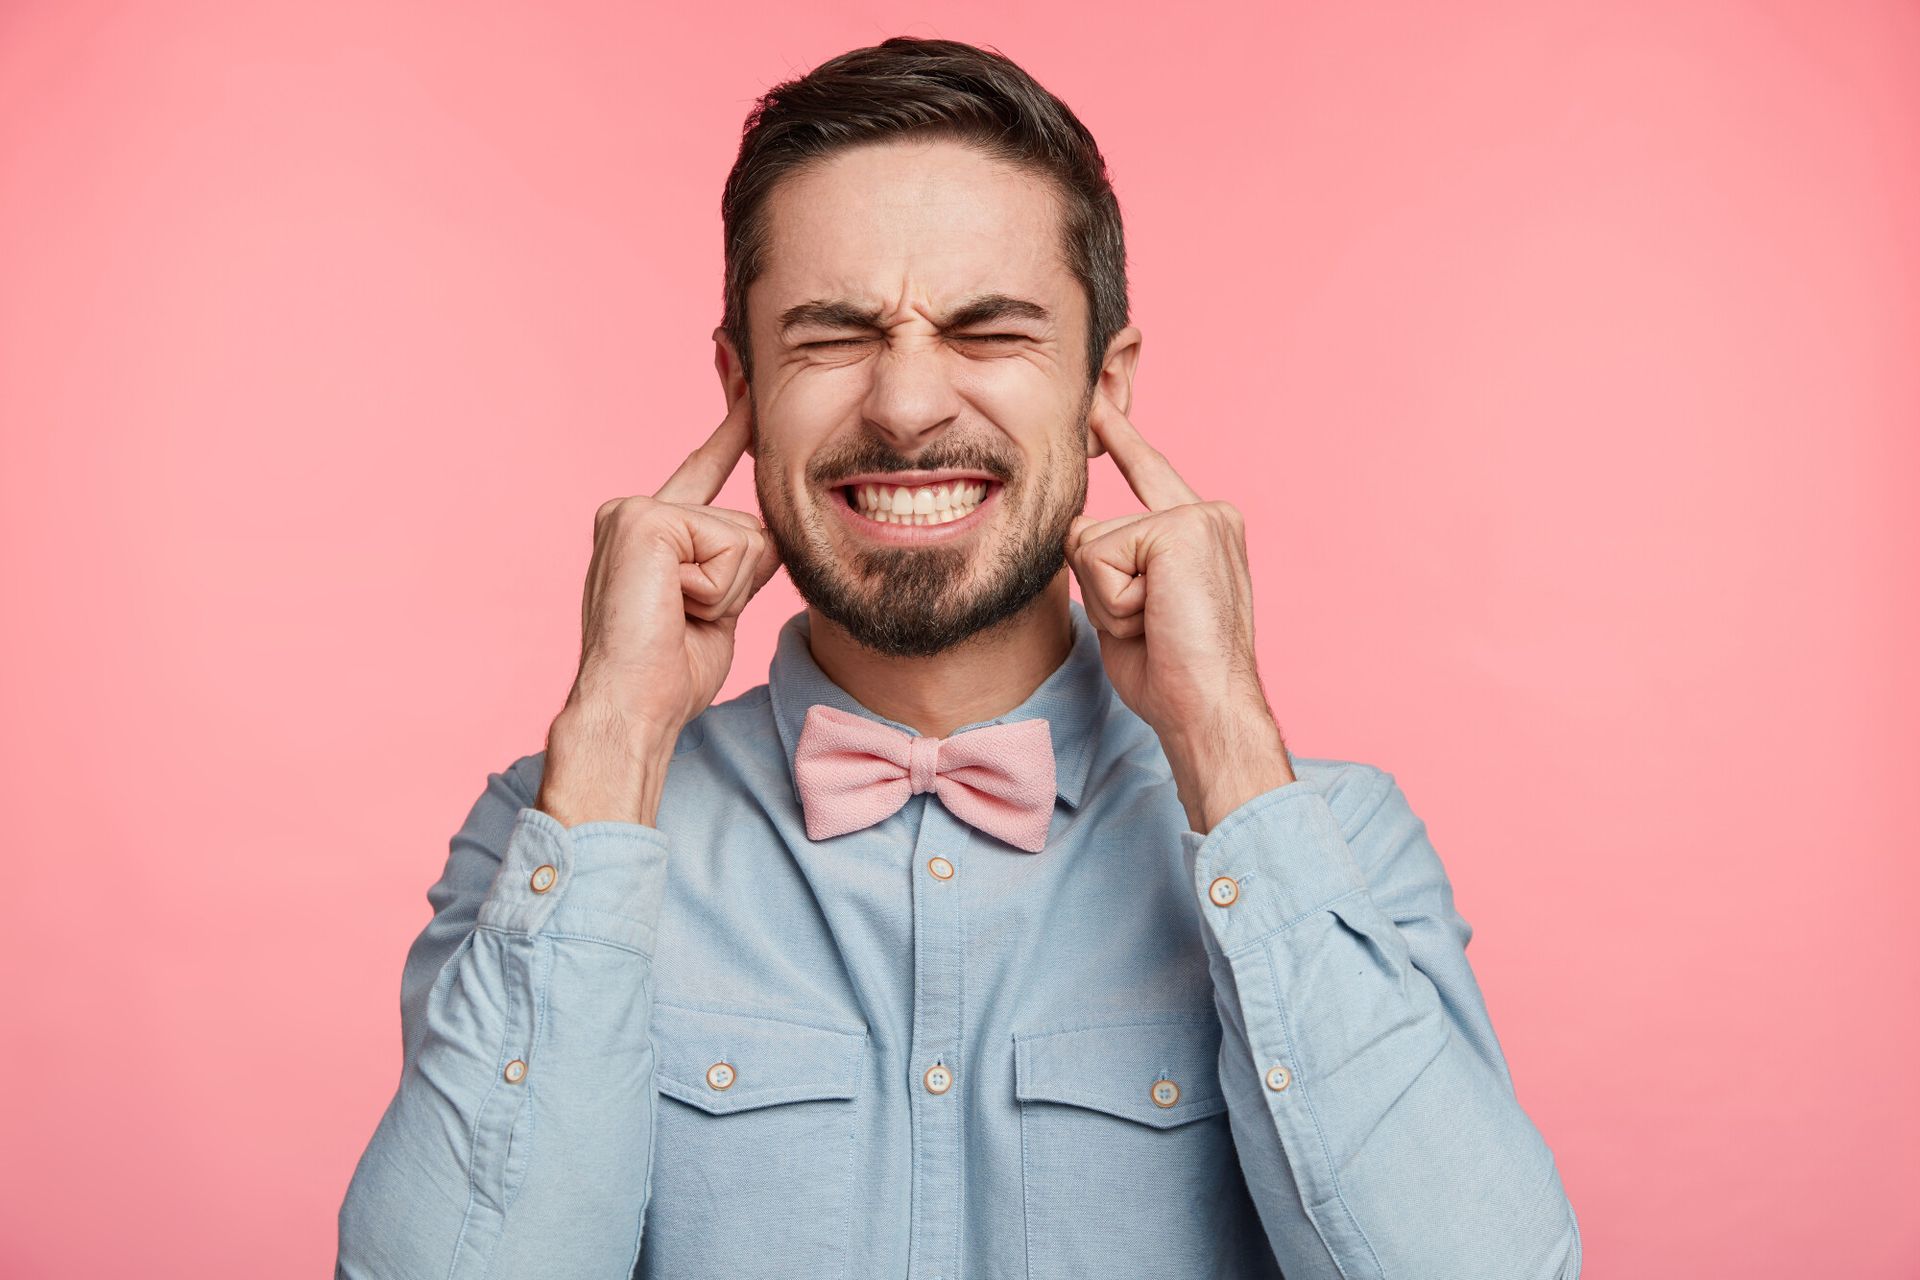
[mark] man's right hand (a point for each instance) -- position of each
(669, 577)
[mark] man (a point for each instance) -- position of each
(997, 934)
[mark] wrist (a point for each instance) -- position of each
(602, 766)
(1226, 763)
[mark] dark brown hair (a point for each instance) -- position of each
(908, 86)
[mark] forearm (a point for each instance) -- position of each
(519, 1139)
(1374, 1114)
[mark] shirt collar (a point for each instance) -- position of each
(1072, 700)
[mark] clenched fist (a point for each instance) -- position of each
(1170, 593)
(669, 577)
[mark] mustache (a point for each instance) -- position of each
(870, 463)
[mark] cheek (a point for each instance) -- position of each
(1052, 467)
(804, 420)
(819, 394)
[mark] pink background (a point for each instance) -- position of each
(1564, 363)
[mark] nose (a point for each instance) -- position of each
(911, 399)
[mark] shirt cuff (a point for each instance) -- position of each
(598, 880)
(1285, 856)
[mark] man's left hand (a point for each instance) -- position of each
(1169, 593)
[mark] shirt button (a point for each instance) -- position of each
(720, 1075)
(543, 877)
(1224, 891)
(939, 1079)
(1165, 1093)
(1278, 1077)
(516, 1071)
(941, 868)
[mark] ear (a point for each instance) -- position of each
(1114, 391)
(733, 383)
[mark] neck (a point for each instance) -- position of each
(992, 673)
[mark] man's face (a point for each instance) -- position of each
(920, 394)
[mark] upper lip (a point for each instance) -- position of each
(914, 479)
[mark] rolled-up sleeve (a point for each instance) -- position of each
(1374, 1114)
(518, 1141)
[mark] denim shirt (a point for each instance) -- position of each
(703, 1048)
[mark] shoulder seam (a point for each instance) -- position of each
(747, 700)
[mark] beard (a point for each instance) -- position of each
(913, 602)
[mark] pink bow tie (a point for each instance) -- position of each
(852, 772)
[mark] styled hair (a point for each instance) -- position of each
(912, 87)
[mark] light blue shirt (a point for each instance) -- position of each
(716, 1048)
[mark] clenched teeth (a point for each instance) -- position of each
(934, 504)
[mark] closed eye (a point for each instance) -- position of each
(965, 337)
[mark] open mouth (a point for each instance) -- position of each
(916, 513)
(925, 505)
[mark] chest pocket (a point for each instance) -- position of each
(1127, 1153)
(753, 1150)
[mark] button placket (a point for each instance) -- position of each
(938, 957)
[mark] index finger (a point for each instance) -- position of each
(1149, 474)
(700, 478)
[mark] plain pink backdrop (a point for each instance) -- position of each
(1562, 357)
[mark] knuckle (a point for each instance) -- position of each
(647, 515)
(1227, 513)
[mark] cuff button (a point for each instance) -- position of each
(543, 877)
(1224, 891)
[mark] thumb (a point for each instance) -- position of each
(1073, 530)
(770, 560)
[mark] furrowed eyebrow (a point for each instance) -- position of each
(828, 315)
(841, 314)
(995, 306)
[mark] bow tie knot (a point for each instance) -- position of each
(921, 763)
(852, 772)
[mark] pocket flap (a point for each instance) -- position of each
(770, 1060)
(1114, 1068)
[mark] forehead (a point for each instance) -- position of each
(911, 222)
